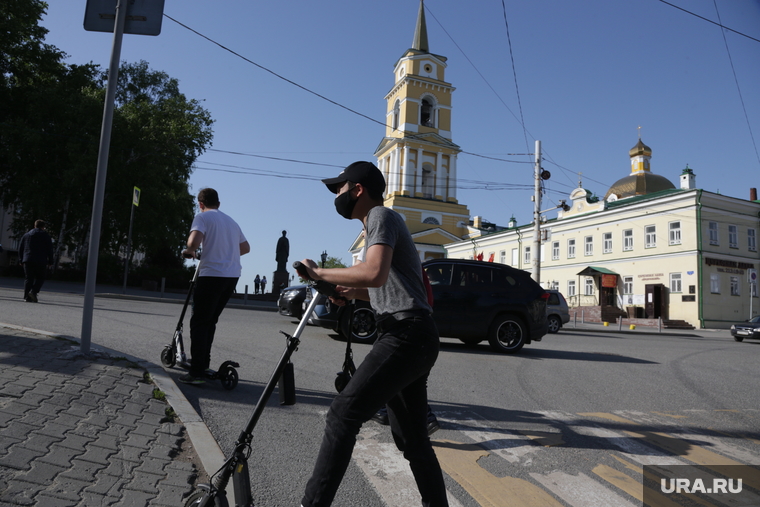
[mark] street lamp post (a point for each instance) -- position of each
(324, 258)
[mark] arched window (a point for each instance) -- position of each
(396, 113)
(427, 113)
(431, 221)
(428, 181)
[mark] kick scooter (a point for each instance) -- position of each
(174, 353)
(236, 466)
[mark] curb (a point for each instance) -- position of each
(208, 450)
(237, 306)
(609, 329)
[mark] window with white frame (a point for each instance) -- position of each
(628, 240)
(503, 257)
(588, 245)
(526, 256)
(589, 287)
(571, 249)
(714, 284)
(515, 257)
(752, 240)
(735, 286)
(712, 227)
(570, 288)
(607, 246)
(733, 236)
(675, 282)
(651, 236)
(627, 285)
(674, 233)
(555, 250)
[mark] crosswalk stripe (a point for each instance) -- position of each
(460, 462)
(632, 486)
(388, 471)
(580, 490)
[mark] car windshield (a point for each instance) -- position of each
(755, 320)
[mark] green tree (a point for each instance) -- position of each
(49, 135)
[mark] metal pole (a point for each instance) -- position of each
(129, 248)
(537, 217)
(100, 178)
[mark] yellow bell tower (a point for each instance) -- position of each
(417, 156)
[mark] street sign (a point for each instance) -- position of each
(144, 17)
(136, 196)
(752, 274)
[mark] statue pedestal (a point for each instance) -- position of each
(278, 279)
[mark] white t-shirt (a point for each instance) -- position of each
(221, 244)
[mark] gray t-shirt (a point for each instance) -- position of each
(404, 290)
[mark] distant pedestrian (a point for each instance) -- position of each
(263, 284)
(223, 243)
(256, 283)
(36, 254)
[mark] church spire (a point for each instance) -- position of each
(420, 42)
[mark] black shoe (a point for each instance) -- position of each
(29, 299)
(33, 296)
(432, 423)
(381, 416)
(189, 379)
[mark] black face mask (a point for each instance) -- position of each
(344, 205)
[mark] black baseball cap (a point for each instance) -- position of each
(365, 173)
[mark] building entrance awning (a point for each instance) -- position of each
(592, 270)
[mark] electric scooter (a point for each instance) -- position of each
(236, 466)
(174, 353)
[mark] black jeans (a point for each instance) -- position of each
(209, 299)
(34, 274)
(394, 373)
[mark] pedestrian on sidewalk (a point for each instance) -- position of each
(223, 243)
(263, 284)
(256, 282)
(395, 371)
(36, 254)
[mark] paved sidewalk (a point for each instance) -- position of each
(84, 431)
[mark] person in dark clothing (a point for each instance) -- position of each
(395, 371)
(36, 254)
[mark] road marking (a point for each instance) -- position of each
(388, 471)
(460, 462)
(633, 487)
(580, 490)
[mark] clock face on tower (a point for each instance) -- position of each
(427, 68)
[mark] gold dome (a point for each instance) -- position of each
(639, 184)
(640, 149)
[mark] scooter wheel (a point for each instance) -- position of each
(229, 377)
(168, 358)
(206, 499)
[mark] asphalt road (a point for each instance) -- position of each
(568, 421)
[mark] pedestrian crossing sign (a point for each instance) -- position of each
(136, 196)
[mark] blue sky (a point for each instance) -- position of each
(585, 76)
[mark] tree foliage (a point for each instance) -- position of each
(50, 127)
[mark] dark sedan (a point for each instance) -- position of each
(748, 329)
(356, 318)
(289, 302)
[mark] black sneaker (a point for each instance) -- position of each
(189, 379)
(33, 297)
(381, 416)
(432, 423)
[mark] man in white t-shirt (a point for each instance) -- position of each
(223, 243)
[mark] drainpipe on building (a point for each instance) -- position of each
(700, 295)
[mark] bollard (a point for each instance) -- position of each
(575, 319)
(163, 285)
(659, 324)
(582, 320)
(620, 323)
(606, 324)
(632, 327)
(245, 296)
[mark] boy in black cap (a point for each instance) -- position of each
(395, 371)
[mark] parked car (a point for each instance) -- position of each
(747, 329)
(356, 318)
(290, 299)
(476, 301)
(557, 311)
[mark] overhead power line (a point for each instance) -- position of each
(711, 21)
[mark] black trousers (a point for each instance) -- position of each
(34, 272)
(209, 299)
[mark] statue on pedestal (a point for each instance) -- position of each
(283, 250)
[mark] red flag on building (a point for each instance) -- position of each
(490, 259)
(480, 256)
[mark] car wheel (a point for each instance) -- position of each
(360, 324)
(507, 334)
(554, 323)
(738, 338)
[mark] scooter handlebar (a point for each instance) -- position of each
(325, 288)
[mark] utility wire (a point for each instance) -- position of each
(738, 88)
(711, 21)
